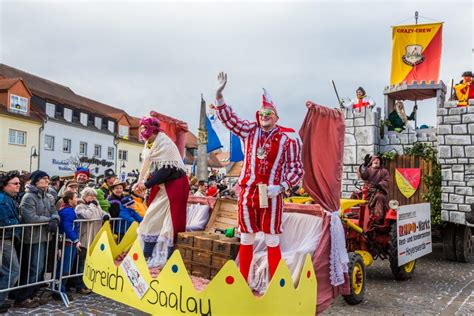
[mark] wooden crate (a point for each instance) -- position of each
(226, 246)
(205, 252)
(224, 215)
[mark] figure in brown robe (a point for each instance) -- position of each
(377, 178)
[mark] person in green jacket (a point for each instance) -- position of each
(398, 119)
(104, 204)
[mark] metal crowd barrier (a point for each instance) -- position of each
(19, 251)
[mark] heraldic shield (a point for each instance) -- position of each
(408, 180)
(413, 55)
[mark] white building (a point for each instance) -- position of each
(64, 141)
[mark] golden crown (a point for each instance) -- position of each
(173, 293)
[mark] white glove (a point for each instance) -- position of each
(273, 191)
(221, 82)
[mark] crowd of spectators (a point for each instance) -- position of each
(74, 207)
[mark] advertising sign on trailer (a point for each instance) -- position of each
(414, 232)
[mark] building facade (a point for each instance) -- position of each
(68, 130)
(65, 145)
(19, 127)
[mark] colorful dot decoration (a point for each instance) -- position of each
(135, 256)
(174, 268)
(308, 274)
(229, 280)
(282, 282)
(102, 247)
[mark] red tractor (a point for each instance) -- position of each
(367, 240)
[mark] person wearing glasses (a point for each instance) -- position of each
(9, 215)
(272, 165)
(36, 206)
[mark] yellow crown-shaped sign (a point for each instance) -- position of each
(173, 293)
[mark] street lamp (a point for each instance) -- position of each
(33, 154)
(122, 166)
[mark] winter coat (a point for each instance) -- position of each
(139, 206)
(127, 216)
(104, 204)
(90, 229)
(9, 215)
(37, 206)
(53, 192)
(114, 209)
(67, 225)
(105, 189)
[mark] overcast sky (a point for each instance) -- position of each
(143, 56)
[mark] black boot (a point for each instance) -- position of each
(148, 249)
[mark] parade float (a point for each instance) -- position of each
(202, 277)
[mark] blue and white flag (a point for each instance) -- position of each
(236, 153)
(213, 141)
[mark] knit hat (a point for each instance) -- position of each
(467, 74)
(82, 170)
(151, 125)
(127, 201)
(55, 178)
(37, 175)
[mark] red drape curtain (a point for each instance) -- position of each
(322, 133)
(176, 131)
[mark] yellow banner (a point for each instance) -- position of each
(410, 54)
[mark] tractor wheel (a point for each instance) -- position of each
(356, 279)
(463, 244)
(406, 271)
(449, 245)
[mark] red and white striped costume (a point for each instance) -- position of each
(282, 166)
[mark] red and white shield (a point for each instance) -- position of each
(408, 180)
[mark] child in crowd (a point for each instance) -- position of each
(70, 185)
(87, 208)
(128, 215)
(115, 198)
(70, 229)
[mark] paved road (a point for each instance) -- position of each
(438, 287)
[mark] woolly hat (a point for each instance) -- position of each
(37, 175)
(82, 170)
(151, 125)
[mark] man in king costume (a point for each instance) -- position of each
(272, 162)
(163, 176)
